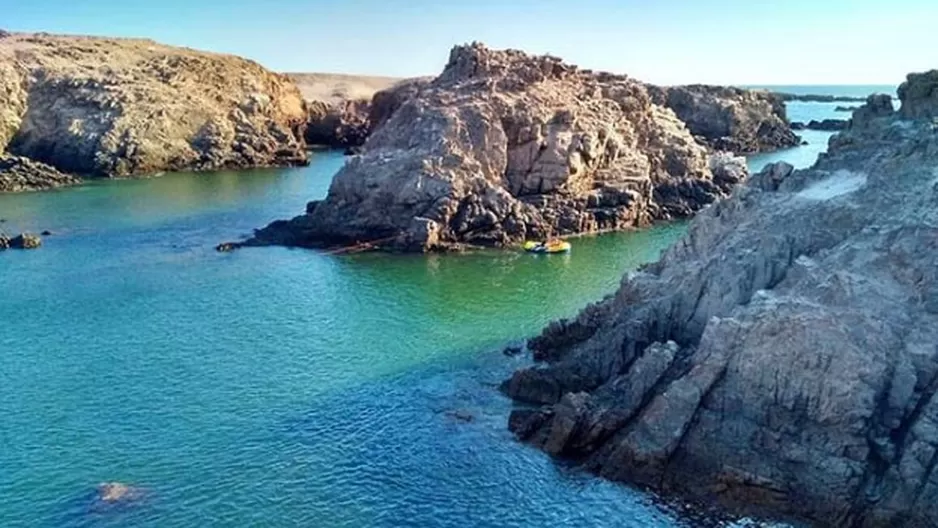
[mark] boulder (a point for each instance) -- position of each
(730, 119)
(114, 495)
(781, 358)
(25, 241)
(504, 146)
(126, 107)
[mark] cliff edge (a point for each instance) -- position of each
(122, 107)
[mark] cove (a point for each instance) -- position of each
(273, 386)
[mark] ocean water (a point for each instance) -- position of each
(277, 387)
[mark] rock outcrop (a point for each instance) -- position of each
(814, 98)
(782, 355)
(730, 119)
(503, 146)
(826, 125)
(347, 124)
(19, 174)
(122, 107)
(22, 241)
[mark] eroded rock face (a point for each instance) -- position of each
(19, 174)
(783, 355)
(121, 107)
(348, 123)
(730, 119)
(504, 146)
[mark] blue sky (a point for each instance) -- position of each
(664, 41)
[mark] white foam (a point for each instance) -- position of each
(840, 183)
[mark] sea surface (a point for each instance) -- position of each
(278, 387)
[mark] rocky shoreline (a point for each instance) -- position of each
(101, 107)
(504, 146)
(781, 358)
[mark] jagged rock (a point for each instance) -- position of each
(25, 241)
(804, 318)
(504, 146)
(4, 242)
(730, 119)
(123, 107)
(845, 108)
(827, 125)
(22, 174)
(919, 96)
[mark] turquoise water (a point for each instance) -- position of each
(276, 387)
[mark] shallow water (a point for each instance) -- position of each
(273, 387)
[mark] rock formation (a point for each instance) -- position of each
(503, 146)
(347, 123)
(22, 241)
(845, 108)
(782, 355)
(121, 107)
(826, 125)
(730, 119)
(23, 174)
(812, 98)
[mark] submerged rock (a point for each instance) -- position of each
(504, 146)
(111, 495)
(782, 356)
(730, 119)
(125, 107)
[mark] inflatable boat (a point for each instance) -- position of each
(551, 247)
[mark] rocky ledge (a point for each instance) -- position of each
(826, 125)
(121, 107)
(504, 146)
(781, 358)
(19, 174)
(730, 119)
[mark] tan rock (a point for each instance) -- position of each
(504, 146)
(123, 107)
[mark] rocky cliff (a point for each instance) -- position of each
(783, 355)
(121, 107)
(504, 146)
(730, 119)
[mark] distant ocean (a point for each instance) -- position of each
(846, 90)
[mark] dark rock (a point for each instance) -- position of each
(461, 415)
(828, 125)
(227, 247)
(818, 98)
(803, 313)
(46, 233)
(846, 108)
(25, 241)
(4, 242)
(919, 96)
(22, 174)
(513, 350)
(730, 119)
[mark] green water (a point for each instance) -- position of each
(276, 387)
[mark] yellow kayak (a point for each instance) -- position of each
(552, 247)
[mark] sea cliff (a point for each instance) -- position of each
(781, 358)
(103, 107)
